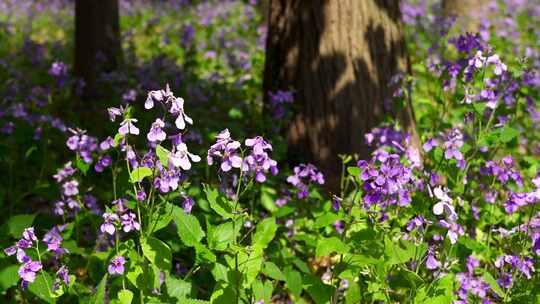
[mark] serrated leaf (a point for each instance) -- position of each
(138, 174)
(221, 236)
(218, 203)
(272, 271)
(125, 296)
(264, 233)
(157, 252)
(507, 134)
(188, 227)
(177, 288)
(203, 255)
(326, 246)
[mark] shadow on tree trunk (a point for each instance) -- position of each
(338, 57)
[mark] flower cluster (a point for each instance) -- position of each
(386, 181)
(29, 268)
(123, 217)
(257, 162)
(305, 175)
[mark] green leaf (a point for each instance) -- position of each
(326, 246)
(219, 203)
(267, 199)
(177, 288)
(99, 296)
(8, 277)
(319, 292)
(488, 278)
(235, 113)
(250, 264)
(326, 220)
(188, 227)
(507, 134)
(262, 291)
(157, 252)
(219, 271)
(353, 171)
(203, 255)
(402, 251)
(41, 287)
(163, 155)
(125, 296)
(81, 165)
(265, 232)
(293, 279)
(138, 174)
(17, 223)
(272, 271)
(163, 217)
(221, 236)
(223, 295)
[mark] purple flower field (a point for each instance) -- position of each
(207, 151)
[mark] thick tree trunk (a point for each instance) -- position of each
(338, 56)
(468, 12)
(97, 40)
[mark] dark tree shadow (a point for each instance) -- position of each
(331, 117)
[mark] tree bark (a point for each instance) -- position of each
(338, 56)
(468, 12)
(97, 41)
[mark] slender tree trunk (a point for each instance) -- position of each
(97, 40)
(468, 12)
(338, 56)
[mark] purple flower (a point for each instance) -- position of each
(181, 157)
(71, 188)
(109, 219)
(164, 96)
(453, 144)
(499, 66)
(156, 134)
(141, 195)
(129, 95)
(386, 181)
(28, 234)
(117, 265)
(188, 204)
(58, 69)
(336, 203)
(103, 163)
(430, 144)
(28, 271)
(63, 274)
(129, 222)
(226, 149)
(128, 127)
(305, 175)
(113, 112)
(258, 161)
(63, 173)
(53, 239)
(431, 262)
(177, 108)
(106, 144)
